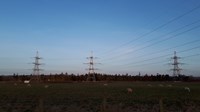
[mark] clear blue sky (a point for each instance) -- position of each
(128, 36)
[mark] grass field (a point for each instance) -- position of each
(100, 97)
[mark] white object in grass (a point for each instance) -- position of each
(129, 90)
(46, 86)
(105, 84)
(187, 89)
(26, 81)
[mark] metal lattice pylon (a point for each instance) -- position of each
(36, 69)
(176, 70)
(91, 73)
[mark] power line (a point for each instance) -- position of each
(191, 55)
(163, 50)
(157, 28)
(159, 62)
(157, 42)
(154, 58)
(163, 40)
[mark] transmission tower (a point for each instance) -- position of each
(176, 70)
(36, 69)
(91, 72)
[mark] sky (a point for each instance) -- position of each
(126, 36)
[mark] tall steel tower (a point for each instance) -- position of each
(176, 70)
(36, 69)
(91, 73)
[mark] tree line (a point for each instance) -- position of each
(65, 77)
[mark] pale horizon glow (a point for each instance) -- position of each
(119, 32)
